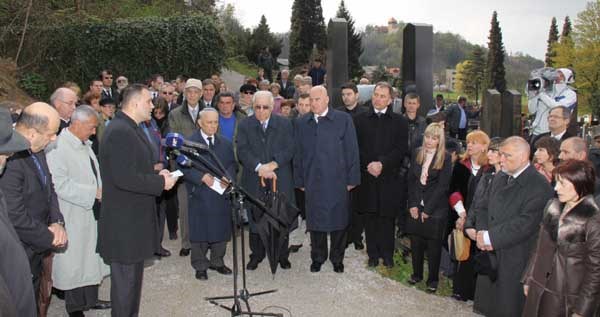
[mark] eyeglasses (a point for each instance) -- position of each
(167, 93)
(258, 107)
(249, 92)
(121, 81)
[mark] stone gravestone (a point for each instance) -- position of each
(491, 113)
(337, 59)
(417, 63)
(511, 114)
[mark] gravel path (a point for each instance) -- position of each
(170, 289)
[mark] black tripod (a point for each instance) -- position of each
(238, 196)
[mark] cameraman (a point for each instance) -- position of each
(543, 100)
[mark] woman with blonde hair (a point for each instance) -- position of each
(428, 180)
(465, 177)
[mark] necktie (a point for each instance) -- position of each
(41, 173)
(210, 142)
(510, 180)
(264, 126)
(379, 114)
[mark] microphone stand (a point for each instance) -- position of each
(237, 195)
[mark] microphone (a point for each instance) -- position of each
(176, 141)
(183, 160)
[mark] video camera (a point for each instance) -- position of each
(541, 80)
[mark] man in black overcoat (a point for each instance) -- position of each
(15, 274)
(516, 204)
(128, 226)
(265, 147)
(29, 192)
(382, 141)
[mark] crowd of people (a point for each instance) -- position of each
(88, 188)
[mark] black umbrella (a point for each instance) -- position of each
(274, 224)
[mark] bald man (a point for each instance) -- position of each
(27, 184)
(64, 100)
(517, 197)
(326, 167)
(573, 148)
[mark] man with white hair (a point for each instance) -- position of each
(287, 88)
(64, 100)
(516, 201)
(75, 175)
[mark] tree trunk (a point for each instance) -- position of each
(24, 31)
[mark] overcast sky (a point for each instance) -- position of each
(524, 23)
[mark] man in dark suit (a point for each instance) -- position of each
(350, 99)
(287, 87)
(265, 147)
(108, 92)
(209, 211)
(27, 185)
(127, 229)
(516, 203)
(14, 265)
(382, 141)
(208, 94)
(64, 100)
(326, 166)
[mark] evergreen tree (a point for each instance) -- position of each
(355, 48)
(552, 39)
(307, 29)
(262, 37)
(567, 28)
(495, 72)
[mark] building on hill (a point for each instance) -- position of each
(392, 25)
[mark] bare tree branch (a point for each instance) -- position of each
(24, 31)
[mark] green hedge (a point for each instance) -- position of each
(190, 45)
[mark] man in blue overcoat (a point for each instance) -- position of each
(265, 148)
(326, 167)
(209, 211)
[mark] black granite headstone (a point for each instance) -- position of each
(491, 113)
(337, 59)
(511, 113)
(417, 62)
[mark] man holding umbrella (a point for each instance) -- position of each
(265, 147)
(326, 167)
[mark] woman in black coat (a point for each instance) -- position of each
(428, 181)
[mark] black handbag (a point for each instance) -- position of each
(96, 209)
(486, 264)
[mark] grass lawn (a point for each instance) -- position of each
(244, 68)
(403, 270)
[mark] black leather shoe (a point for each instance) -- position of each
(201, 275)
(285, 264)
(388, 263)
(338, 267)
(413, 280)
(294, 248)
(458, 297)
(78, 313)
(373, 262)
(252, 265)
(358, 245)
(184, 252)
(431, 289)
(102, 304)
(315, 267)
(163, 253)
(221, 269)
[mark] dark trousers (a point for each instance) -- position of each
(81, 298)
(461, 134)
(463, 281)
(172, 210)
(199, 250)
(379, 233)
(418, 245)
(356, 228)
(126, 288)
(161, 210)
(318, 244)
(300, 202)
(258, 249)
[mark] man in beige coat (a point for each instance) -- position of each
(78, 269)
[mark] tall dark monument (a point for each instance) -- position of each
(417, 63)
(491, 114)
(337, 59)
